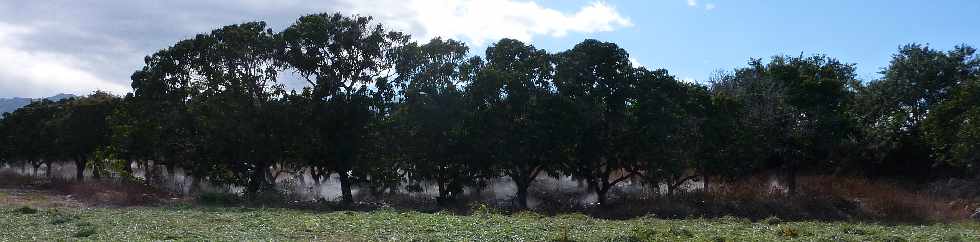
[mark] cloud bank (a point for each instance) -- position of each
(54, 46)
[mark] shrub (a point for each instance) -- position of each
(26, 210)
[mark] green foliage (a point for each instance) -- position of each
(26, 210)
(434, 114)
(164, 223)
(597, 78)
(85, 230)
(343, 119)
(518, 115)
(791, 111)
(952, 128)
(384, 113)
(772, 220)
(914, 119)
(63, 219)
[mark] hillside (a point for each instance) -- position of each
(10, 104)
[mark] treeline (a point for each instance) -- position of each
(382, 112)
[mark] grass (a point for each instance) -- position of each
(223, 223)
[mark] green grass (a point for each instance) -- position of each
(172, 223)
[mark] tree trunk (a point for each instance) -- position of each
(705, 185)
(96, 170)
(195, 182)
(316, 183)
(80, 169)
(347, 197)
(522, 188)
(255, 182)
(791, 181)
(601, 196)
(446, 196)
(150, 173)
(47, 169)
(172, 171)
(128, 167)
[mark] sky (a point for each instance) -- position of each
(70, 46)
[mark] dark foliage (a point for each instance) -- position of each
(383, 112)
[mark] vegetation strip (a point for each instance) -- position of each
(176, 223)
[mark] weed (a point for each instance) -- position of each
(789, 231)
(85, 229)
(772, 220)
(84, 232)
(26, 210)
(62, 219)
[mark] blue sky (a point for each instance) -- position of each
(693, 42)
(69, 46)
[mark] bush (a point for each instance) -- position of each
(26, 210)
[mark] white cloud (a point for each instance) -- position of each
(707, 6)
(53, 46)
(479, 21)
(42, 73)
(635, 62)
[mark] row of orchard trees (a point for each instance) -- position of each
(384, 112)
(47, 131)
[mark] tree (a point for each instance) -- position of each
(220, 91)
(892, 110)
(520, 114)
(793, 110)
(131, 134)
(673, 137)
(31, 133)
(5, 144)
(84, 130)
(432, 116)
(234, 107)
(341, 58)
(952, 127)
(597, 78)
(163, 93)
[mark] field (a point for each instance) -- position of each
(35, 215)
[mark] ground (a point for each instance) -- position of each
(38, 215)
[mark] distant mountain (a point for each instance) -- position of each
(10, 104)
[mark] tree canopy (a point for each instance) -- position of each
(382, 112)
